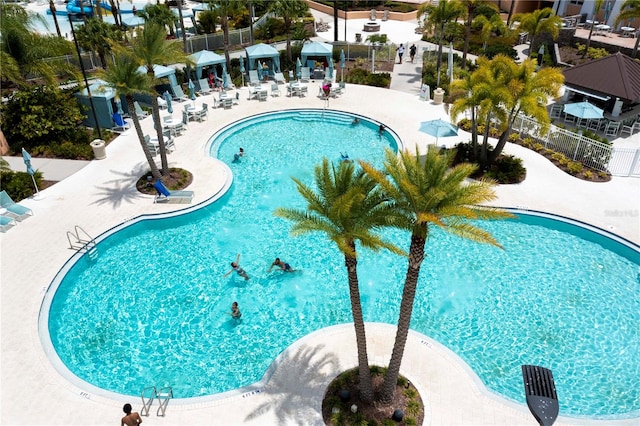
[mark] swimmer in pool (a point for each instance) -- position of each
(235, 311)
(345, 157)
(235, 266)
(284, 266)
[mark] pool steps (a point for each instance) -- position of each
(337, 118)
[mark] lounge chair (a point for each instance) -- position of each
(140, 113)
(162, 103)
(204, 86)
(253, 77)
(305, 74)
(540, 391)
(6, 223)
(166, 196)
(120, 123)
(631, 129)
(279, 78)
(275, 90)
(14, 210)
(178, 94)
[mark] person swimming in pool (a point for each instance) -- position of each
(235, 266)
(236, 157)
(284, 266)
(235, 311)
(345, 158)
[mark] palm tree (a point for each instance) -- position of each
(348, 207)
(471, 11)
(439, 15)
(225, 9)
(502, 89)
(489, 26)
(597, 5)
(92, 35)
(52, 8)
(426, 192)
(150, 47)
(538, 22)
(123, 74)
(159, 14)
(289, 10)
(630, 9)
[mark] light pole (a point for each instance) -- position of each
(84, 74)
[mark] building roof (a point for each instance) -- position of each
(616, 75)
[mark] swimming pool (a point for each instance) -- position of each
(151, 309)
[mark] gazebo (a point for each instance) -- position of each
(160, 71)
(265, 52)
(205, 58)
(618, 93)
(311, 52)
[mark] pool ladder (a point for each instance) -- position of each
(163, 397)
(82, 242)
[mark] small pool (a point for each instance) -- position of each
(151, 309)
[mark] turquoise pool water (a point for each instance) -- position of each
(152, 308)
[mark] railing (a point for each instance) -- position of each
(163, 396)
(593, 154)
(82, 241)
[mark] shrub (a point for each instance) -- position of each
(538, 147)
(19, 184)
(574, 167)
(559, 157)
(588, 175)
(528, 143)
(362, 76)
(514, 137)
(507, 169)
(603, 175)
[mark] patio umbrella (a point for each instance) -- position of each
(192, 90)
(27, 161)
(540, 56)
(298, 66)
(343, 65)
(438, 128)
(167, 97)
(242, 70)
(119, 105)
(583, 110)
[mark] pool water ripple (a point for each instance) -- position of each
(152, 309)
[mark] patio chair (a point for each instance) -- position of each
(595, 125)
(227, 103)
(253, 77)
(154, 149)
(540, 391)
(262, 94)
(14, 210)
(162, 103)
(570, 119)
(305, 74)
(555, 111)
(275, 90)
(140, 113)
(279, 78)
(6, 223)
(204, 112)
(204, 87)
(121, 124)
(178, 94)
(166, 196)
(612, 129)
(635, 127)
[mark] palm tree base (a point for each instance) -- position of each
(176, 180)
(336, 409)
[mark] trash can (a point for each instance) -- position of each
(99, 151)
(438, 96)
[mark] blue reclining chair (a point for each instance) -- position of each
(166, 196)
(14, 210)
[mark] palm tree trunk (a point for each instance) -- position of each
(416, 256)
(52, 7)
(366, 386)
(467, 35)
(224, 23)
(502, 141)
(184, 34)
(474, 134)
(136, 123)
(155, 111)
(586, 47)
(287, 29)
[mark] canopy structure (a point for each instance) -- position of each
(103, 97)
(100, 89)
(265, 52)
(205, 58)
(318, 50)
(160, 71)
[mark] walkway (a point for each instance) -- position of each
(102, 195)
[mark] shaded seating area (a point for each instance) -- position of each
(11, 209)
(260, 55)
(204, 59)
(318, 52)
(166, 196)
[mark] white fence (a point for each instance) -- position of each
(593, 154)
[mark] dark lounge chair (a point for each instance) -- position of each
(540, 391)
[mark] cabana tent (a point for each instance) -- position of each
(103, 96)
(160, 71)
(205, 58)
(318, 51)
(263, 52)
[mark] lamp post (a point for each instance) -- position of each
(84, 74)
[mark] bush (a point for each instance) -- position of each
(19, 185)
(497, 49)
(507, 169)
(362, 76)
(574, 167)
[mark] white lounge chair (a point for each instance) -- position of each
(166, 196)
(204, 86)
(140, 113)
(253, 77)
(162, 103)
(178, 94)
(279, 78)
(6, 223)
(305, 74)
(14, 210)
(275, 90)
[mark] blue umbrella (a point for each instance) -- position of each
(298, 66)
(167, 97)
(584, 110)
(242, 70)
(438, 128)
(343, 64)
(27, 161)
(192, 90)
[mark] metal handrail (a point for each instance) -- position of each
(146, 404)
(167, 394)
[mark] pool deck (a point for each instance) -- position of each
(102, 195)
